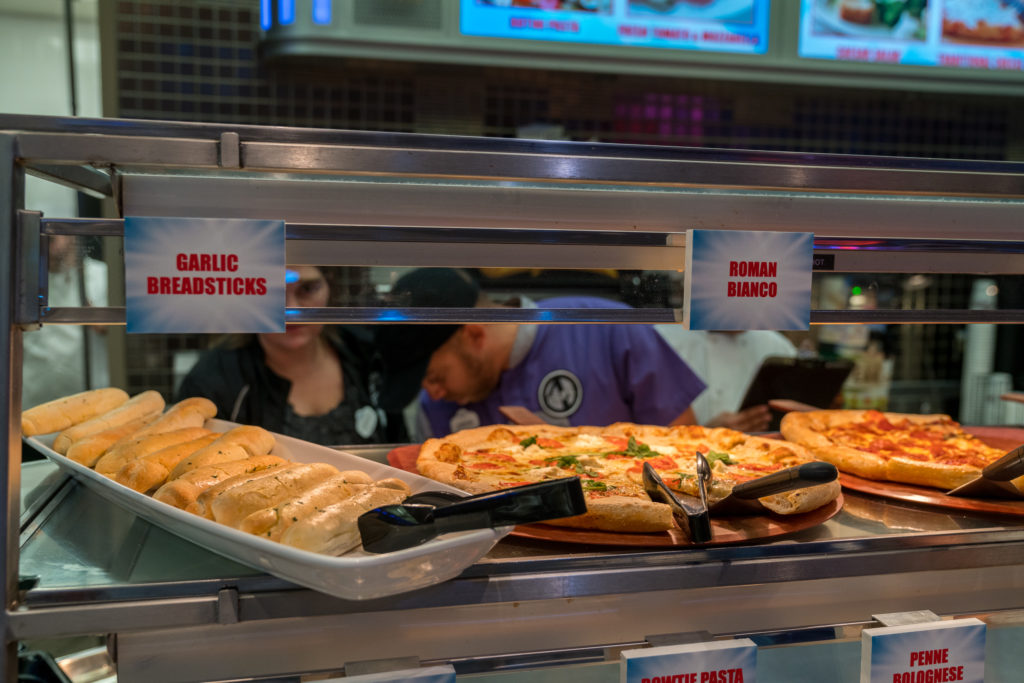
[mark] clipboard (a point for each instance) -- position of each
(814, 381)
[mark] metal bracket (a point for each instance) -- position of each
(922, 616)
(230, 151)
(31, 267)
(227, 606)
(614, 652)
(88, 179)
(373, 666)
(682, 638)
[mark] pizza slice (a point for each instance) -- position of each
(926, 450)
(734, 457)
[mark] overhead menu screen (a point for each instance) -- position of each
(970, 34)
(738, 26)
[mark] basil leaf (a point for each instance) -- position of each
(563, 461)
(569, 461)
(636, 450)
(591, 485)
(712, 456)
(529, 441)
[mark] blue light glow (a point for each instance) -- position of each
(322, 11)
(291, 276)
(265, 15)
(285, 11)
(391, 316)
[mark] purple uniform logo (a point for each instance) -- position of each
(560, 393)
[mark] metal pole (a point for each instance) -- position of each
(12, 186)
(69, 33)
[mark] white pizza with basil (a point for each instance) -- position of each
(609, 461)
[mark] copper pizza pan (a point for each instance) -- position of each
(725, 531)
(1005, 438)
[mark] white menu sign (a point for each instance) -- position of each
(747, 280)
(204, 275)
(932, 652)
(721, 661)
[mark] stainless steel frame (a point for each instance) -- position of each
(386, 197)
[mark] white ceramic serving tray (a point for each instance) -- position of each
(356, 575)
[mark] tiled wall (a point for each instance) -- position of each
(199, 60)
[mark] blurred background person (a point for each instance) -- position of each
(65, 359)
(566, 374)
(312, 382)
(727, 362)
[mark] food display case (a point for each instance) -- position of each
(532, 608)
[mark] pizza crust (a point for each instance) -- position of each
(802, 500)
(808, 429)
(621, 513)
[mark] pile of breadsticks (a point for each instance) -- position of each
(229, 477)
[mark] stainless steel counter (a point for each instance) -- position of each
(102, 570)
(83, 548)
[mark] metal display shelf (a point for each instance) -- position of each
(90, 568)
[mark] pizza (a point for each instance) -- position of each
(609, 461)
(927, 450)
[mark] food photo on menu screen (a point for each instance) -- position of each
(710, 25)
(980, 34)
(739, 11)
(869, 20)
(996, 22)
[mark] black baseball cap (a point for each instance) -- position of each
(405, 350)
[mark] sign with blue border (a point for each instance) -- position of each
(204, 275)
(932, 652)
(720, 661)
(747, 280)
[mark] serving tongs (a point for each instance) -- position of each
(424, 516)
(690, 514)
(994, 481)
(744, 499)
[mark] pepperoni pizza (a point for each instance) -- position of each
(927, 450)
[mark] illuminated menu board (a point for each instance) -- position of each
(738, 26)
(972, 34)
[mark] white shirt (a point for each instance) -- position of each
(54, 355)
(727, 362)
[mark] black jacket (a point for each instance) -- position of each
(246, 391)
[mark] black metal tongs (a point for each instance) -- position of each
(693, 513)
(994, 480)
(692, 516)
(744, 497)
(426, 515)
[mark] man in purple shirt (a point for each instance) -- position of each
(568, 374)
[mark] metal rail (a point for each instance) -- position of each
(115, 315)
(46, 140)
(114, 227)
